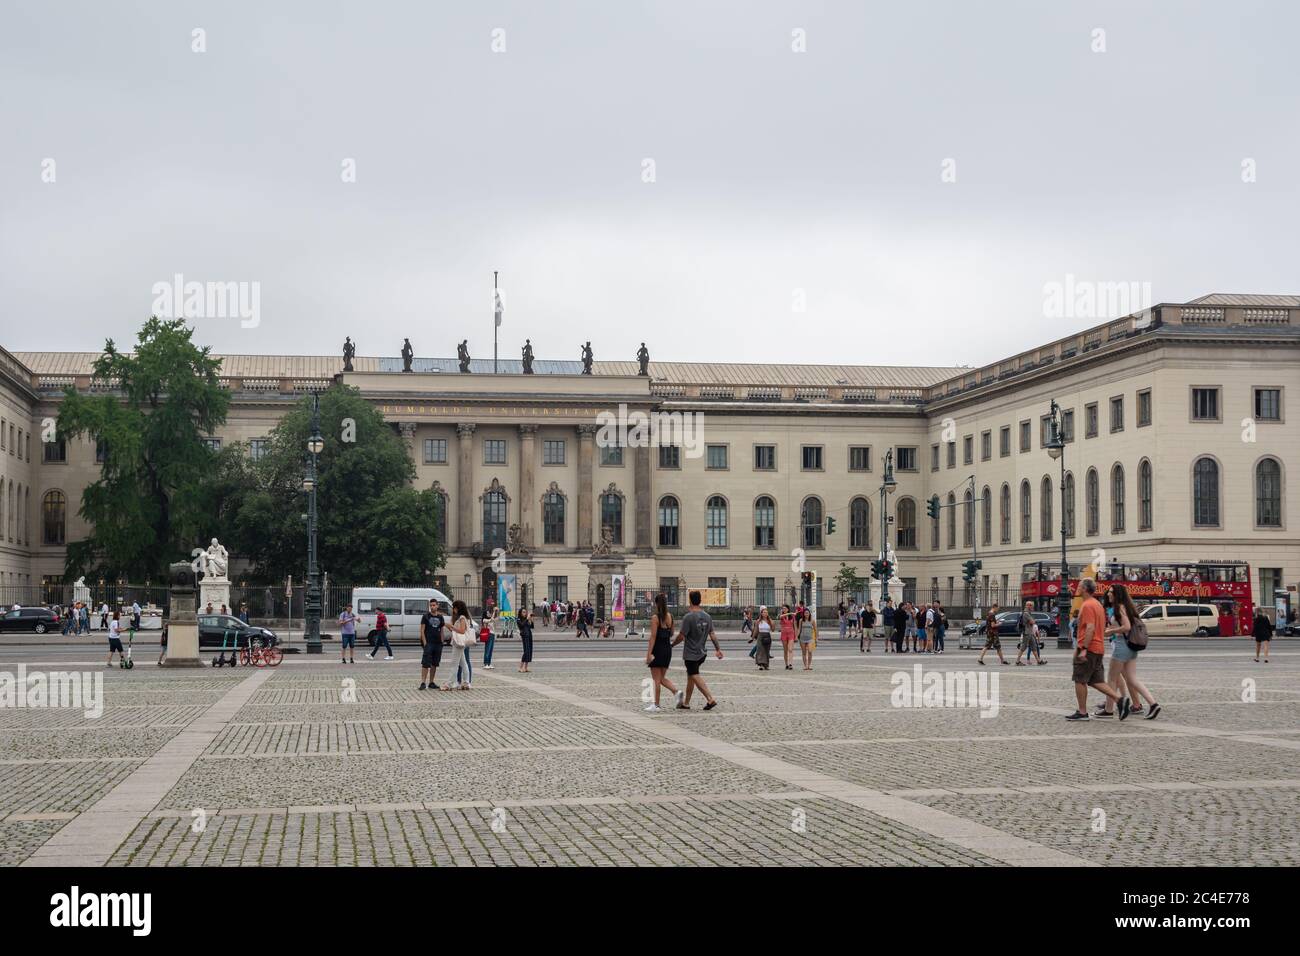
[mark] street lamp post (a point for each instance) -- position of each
(886, 486)
(1056, 449)
(312, 605)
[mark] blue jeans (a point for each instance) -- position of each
(469, 666)
(381, 637)
(487, 649)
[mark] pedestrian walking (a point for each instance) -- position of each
(381, 636)
(1028, 628)
(747, 625)
(69, 618)
(1089, 670)
(763, 637)
(580, 622)
(526, 640)
(135, 615)
(842, 611)
(162, 645)
(807, 640)
(1128, 637)
(1262, 631)
(103, 615)
(697, 627)
(487, 633)
(462, 639)
(992, 640)
(789, 631)
(431, 627)
(659, 653)
(940, 626)
(347, 635)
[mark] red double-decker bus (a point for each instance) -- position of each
(1225, 584)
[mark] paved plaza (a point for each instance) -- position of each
(318, 764)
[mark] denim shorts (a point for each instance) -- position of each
(348, 640)
(1120, 651)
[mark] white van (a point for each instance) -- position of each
(404, 607)
(1180, 620)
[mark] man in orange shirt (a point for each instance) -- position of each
(1090, 654)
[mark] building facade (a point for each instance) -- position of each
(1179, 443)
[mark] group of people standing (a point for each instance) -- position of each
(793, 627)
(910, 628)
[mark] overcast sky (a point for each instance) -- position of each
(777, 174)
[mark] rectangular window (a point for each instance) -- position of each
(435, 451)
(20, 444)
(859, 458)
(670, 456)
(1144, 408)
(812, 457)
(214, 444)
(1090, 420)
(934, 457)
(765, 458)
(906, 455)
(986, 445)
(1044, 431)
(1004, 441)
(611, 454)
(968, 450)
(1067, 425)
(557, 588)
(494, 451)
(1268, 404)
(951, 454)
(717, 583)
(257, 448)
(1270, 585)
(716, 457)
(4, 427)
(55, 451)
(1025, 436)
(1205, 404)
(101, 451)
(765, 591)
(1117, 414)
(553, 451)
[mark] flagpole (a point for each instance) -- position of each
(494, 322)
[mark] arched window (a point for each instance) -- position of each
(1144, 496)
(1205, 493)
(1268, 493)
(553, 518)
(952, 520)
(860, 523)
(1069, 504)
(54, 518)
(1026, 512)
(986, 522)
(1092, 495)
(764, 522)
(1117, 499)
(968, 520)
(669, 522)
(1045, 531)
(611, 515)
(810, 518)
(494, 518)
(906, 521)
(1004, 514)
(715, 522)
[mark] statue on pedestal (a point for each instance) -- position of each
(462, 353)
(515, 540)
(586, 359)
(643, 359)
(349, 350)
(216, 562)
(528, 356)
(407, 354)
(606, 544)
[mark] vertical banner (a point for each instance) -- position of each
(617, 608)
(507, 592)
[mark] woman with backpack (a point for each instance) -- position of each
(462, 639)
(1128, 638)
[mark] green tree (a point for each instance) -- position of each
(847, 581)
(148, 506)
(371, 523)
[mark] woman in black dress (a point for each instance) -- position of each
(659, 652)
(526, 638)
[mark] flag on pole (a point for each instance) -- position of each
(499, 306)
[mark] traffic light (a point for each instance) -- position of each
(830, 525)
(932, 506)
(969, 568)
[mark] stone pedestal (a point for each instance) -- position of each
(215, 593)
(600, 570)
(893, 589)
(182, 626)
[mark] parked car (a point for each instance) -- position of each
(218, 629)
(1009, 624)
(403, 606)
(39, 620)
(1180, 620)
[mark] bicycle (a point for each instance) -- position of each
(260, 654)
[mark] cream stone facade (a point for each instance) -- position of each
(1208, 382)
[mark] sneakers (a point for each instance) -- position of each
(1124, 705)
(710, 705)
(683, 706)
(389, 657)
(433, 686)
(1077, 716)
(680, 697)
(486, 667)
(424, 687)
(652, 708)
(1155, 709)
(1103, 712)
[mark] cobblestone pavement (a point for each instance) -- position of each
(315, 763)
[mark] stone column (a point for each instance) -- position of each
(408, 435)
(644, 506)
(586, 453)
(465, 486)
(527, 480)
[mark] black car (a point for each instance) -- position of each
(1009, 624)
(38, 620)
(216, 630)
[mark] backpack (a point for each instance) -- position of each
(1137, 635)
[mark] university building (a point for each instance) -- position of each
(1178, 426)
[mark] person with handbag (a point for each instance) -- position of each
(462, 639)
(526, 639)
(1128, 640)
(763, 639)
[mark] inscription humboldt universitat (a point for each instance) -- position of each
(505, 411)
